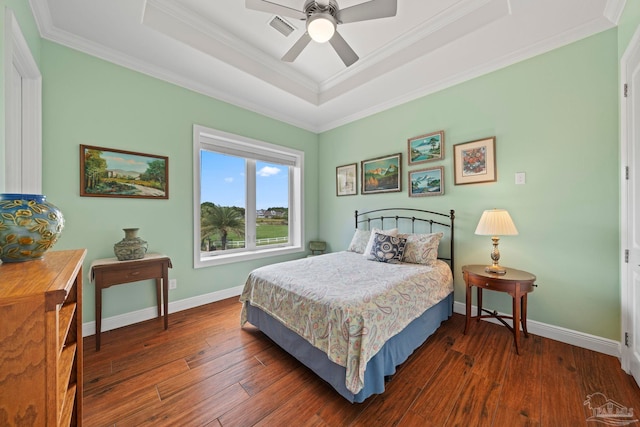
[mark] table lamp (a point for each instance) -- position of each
(494, 223)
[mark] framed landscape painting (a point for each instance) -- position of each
(426, 148)
(382, 174)
(475, 161)
(426, 182)
(347, 180)
(107, 172)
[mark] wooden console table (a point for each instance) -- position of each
(516, 283)
(107, 272)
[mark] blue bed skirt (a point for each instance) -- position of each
(395, 351)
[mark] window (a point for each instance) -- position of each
(247, 198)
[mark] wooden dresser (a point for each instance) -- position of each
(41, 341)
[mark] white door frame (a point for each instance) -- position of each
(629, 130)
(29, 121)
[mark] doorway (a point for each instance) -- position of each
(630, 207)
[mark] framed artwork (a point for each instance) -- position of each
(475, 161)
(107, 172)
(426, 148)
(347, 180)
(382, 174)
(426, 182)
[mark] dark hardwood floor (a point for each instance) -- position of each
(207, 371)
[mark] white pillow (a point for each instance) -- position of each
(367, 251)
(359, 241)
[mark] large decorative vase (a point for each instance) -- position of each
(29, 226)
(131, 247)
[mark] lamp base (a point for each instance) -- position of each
(495, 269)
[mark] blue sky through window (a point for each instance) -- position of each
(223, 181)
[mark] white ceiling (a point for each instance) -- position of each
(221, 49)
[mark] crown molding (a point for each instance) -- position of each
(193, 32)
(406, 41)
(42, 16)
(563, 39)
(102, 52)
(451, 29)
(195, 21)
(613, 10)
(324, 119)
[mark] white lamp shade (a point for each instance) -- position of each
(321, 27)
(496, 222)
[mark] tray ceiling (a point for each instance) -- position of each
(224, 50)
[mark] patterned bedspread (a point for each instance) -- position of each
(345, 305)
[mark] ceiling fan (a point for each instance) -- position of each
(323, 16)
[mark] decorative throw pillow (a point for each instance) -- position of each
(388, 248)
(421, 248)
(359, 241)
(367, 249)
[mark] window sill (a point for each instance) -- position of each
(209, 261)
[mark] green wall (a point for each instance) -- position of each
(555, 118)
(89, 101)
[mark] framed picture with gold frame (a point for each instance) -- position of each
(426, 182)
(382, 174)
(475, 161)
(426, 148)
(107, 172)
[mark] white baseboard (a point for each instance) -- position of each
(126, 319)
(568, 336)
(580, 339)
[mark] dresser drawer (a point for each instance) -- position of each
(492, 286)
(498, 285)
(126, 274)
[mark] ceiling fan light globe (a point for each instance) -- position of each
(321, 27)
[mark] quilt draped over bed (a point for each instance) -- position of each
(346, 305)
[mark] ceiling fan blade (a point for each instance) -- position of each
(373, 9)
(343, 49)
(275, 8)
(297, 48)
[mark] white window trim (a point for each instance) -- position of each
(296, 196)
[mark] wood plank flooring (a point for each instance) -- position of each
(207, 371)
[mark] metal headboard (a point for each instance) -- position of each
(424, 217)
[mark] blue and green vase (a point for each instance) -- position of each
(29, 226)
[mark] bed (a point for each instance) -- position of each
(349, 318)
